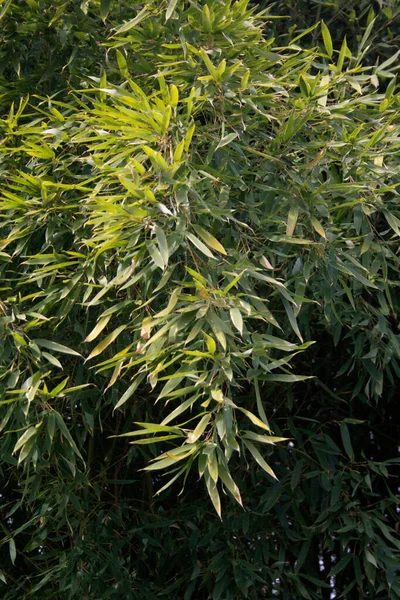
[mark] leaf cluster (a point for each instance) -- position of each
(199, 281)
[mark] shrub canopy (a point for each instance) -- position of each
(199, 301)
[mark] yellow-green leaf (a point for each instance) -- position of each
(106, 342)
(209, 239)
(199, 429)
(326, 36)
(255, 420)
(292, 220)
(199, 244)
(133, 22)
(170, 9)
(237, 319)
(55, 346)
(318, 227)
(211, 345)
(98, 329)
(256, 454)
(212, 465)
(228, 482)
(213, 493)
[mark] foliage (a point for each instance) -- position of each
(199, 260)
(348, 20)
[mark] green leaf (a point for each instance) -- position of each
(56, 347)
(211, 345)
(259, 459)
(264, 439)
(344, 431)
(25, 437)
(171, 7)
(234, 281)
(213, 493)
(133, 22)
(393, 221)
(286, 378)
(292, 220)
(52, 359)
(295, 478)
(130, 391)
(155, 255)
(237, 319)
(260, 406)
(104, 9)
(65, 432)
(212, 464)
(12, 550)
(342, 54)
(171, 481)
(228, 482)
(179, 410)
(199, 429)
(98, 329)
(226, 140)
(162, 244)
(106, 342)
(318, 227)
(171, 304)
(326, 36)
(202, 247)
(292, 319)
(255, 420)
(164, 463)
(209, 239)
(5, 8)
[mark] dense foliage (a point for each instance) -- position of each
(199, 299)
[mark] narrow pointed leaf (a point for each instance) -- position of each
(326, 36)
(106, 342)
(260, 460)
(209, 239)
(55, 346)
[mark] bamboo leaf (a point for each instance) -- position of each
(5, 8)
(98, 329)
(326, 36)
(213, 493)
(31, 431)
(55, 346)
(237, 319)
(264, 439)
(255, 420)
(170, 9)
(209, 239)
(260, 406)
(199, 429)
(106, 342)
(212, 465)
(202, 247)
(12, 550)
(292, 220)
(344, 431)
(162, 244)
(130, 391)
(259, 459)
(104, 9)
(318, 227)
(133, 22)
(226, 140)
(228, 482)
